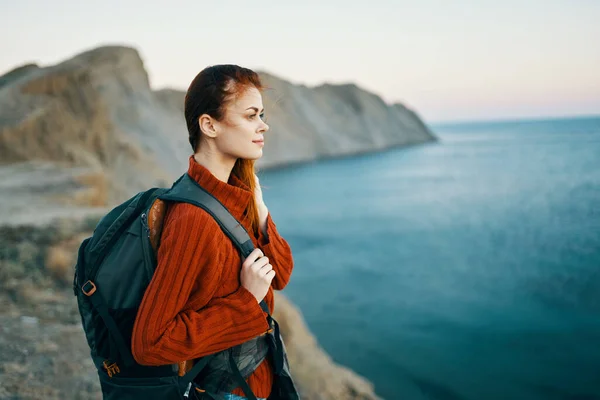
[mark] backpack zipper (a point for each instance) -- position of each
(187, 391)
(149, 255)
(145, 224)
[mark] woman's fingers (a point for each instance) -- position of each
(261, 262)
(251, 259)
(265, 269)
(258, 263)
(270, 275)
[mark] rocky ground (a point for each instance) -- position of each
(43, 351)
(43, 357)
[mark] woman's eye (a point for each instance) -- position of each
(262, 116)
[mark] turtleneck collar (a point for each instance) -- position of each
(234, 194)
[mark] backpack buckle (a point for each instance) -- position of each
(88, 288)
(111, 369)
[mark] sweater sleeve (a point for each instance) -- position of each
(277, 249)
(171, 325)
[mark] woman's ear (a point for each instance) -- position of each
(207, 125)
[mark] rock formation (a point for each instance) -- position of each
(97, 113)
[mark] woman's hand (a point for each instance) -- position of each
(257, 274)
(263, 211)
(258, 195)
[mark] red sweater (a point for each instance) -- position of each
(195, 304)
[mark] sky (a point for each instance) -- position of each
(447, 60)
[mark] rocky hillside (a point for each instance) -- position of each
(79, 137)
(97, 113)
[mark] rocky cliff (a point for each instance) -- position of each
(97, 113)
(82, 135)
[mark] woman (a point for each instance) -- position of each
(204, 298)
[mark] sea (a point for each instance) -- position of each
(465, 268)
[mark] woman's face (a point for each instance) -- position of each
(241, 132)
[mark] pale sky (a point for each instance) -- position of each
(448, 60)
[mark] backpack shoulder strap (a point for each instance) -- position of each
(187, 190)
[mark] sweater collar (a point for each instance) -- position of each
(234, 194)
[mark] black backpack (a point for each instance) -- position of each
(114, 267)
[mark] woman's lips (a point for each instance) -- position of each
(259, 142)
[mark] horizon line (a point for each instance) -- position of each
(508, 119)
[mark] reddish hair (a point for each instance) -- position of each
(209, 93)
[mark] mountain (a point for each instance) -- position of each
(95, 125)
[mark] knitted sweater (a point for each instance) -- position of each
(195, 304)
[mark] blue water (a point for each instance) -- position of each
(468, 268)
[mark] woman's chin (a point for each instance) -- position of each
(252, 156)
(255, 155)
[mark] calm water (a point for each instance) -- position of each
(463, 269)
